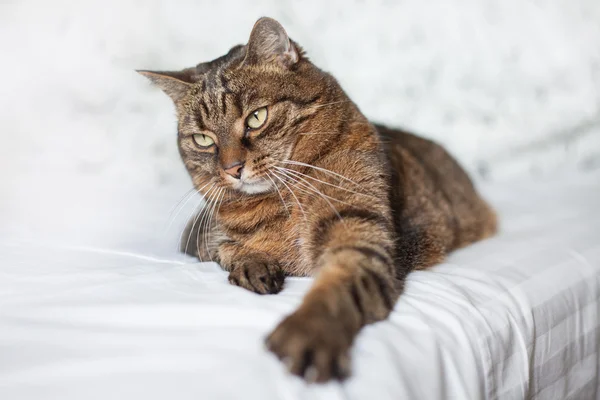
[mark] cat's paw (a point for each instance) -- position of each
(314, 346)
(257, 275)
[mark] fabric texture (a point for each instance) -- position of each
(513, 317)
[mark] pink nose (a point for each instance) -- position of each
(235, 170)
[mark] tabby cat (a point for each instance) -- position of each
(299, 183)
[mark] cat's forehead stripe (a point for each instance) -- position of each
(215, 96)
(223, 102)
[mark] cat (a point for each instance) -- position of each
(299, 183)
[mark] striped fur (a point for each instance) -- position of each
(324, 193)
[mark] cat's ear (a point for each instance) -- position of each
(173, 83)
(270, 43)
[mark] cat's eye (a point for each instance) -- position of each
(203, 140)
(257, 118)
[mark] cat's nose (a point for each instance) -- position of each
(235, 169)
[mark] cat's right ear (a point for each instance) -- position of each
(269, 43)
(174, 83)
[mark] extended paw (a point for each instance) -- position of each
(312, 345)
(257, 275)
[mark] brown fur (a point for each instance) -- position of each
(358, 205)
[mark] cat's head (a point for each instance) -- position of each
(260, 106)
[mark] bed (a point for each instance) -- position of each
(513, 317)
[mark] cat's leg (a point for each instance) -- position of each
(254, 271)
(356, 284)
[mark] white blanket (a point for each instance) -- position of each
(516, 316)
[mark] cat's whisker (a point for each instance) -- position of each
(225, 194)
(312, 190)
(319, 169)
(303, 188)
(195, 211)
(268, 175)
(195, 220)
(326, 183)
(202, 223)
(189, 197)
(187, 194)
(209, 222)
(202, 211)
(298, 180)
(295, 183)
(173, 217)
(276, 175)
(225, 190)
(316, 191)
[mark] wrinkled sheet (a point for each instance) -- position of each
(516, 316)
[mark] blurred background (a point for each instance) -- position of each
(512, 88)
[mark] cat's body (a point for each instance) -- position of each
(434, 204)
(300, 183)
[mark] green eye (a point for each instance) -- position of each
(203, 140)
(257, 118)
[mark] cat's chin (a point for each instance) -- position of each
(253, 187)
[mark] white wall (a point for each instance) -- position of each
(512, 87)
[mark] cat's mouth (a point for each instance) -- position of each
(254, 186)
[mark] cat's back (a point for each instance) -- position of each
(427, 179)
(436, 161)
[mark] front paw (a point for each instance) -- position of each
(313, 345)
(257, 275)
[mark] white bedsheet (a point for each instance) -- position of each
(516, 316)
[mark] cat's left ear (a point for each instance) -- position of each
(174, 83)
(270, 43)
